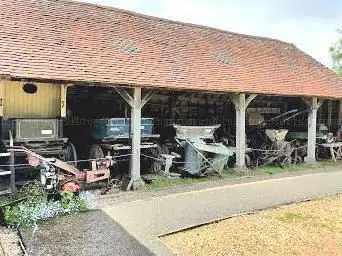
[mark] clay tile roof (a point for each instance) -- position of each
(71, 41)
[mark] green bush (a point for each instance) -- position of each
(35, 208)
(74, 203)
(21, 214)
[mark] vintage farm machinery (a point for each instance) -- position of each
(42, 136)
(201, 154)
(112, 136)
(327, 145)
(276, 149)
(276, 145)
(56, 175)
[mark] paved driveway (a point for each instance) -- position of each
(147, 219)
(92, 233)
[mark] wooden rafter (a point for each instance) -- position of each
(129, 99)
(126, 96)
(250, 99)
(147, 97)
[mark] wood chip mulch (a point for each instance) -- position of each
(308, 228)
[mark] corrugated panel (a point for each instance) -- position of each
(45, 103)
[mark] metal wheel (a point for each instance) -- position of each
(153, 164)
(164, 149)
(156, 167)
(247, 160)
(156, 151)
(298, 160)
(96, 152)
(286, 162)
(70, 154)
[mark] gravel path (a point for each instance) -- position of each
(9, 243)
(146, 219)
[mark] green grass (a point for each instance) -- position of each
(161, 182)
(290, 216)
(274, 169)
(328, 163)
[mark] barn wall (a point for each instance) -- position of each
(45, 103)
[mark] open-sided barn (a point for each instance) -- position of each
(64, 44)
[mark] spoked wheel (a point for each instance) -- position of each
(151, 161)
(287, 161)
(298, 160)
(322, 153)
(156, 167)
(96, 152)
(164, 149)
(70, 154)
(247, 160)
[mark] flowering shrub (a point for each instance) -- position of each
(27, 213)
(72, 203)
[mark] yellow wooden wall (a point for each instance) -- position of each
(45, 103)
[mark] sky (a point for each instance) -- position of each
(309, 24)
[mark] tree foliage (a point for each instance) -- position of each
(336, 54)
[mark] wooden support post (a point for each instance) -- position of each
(240, 131)
(136, 102)
(340, 114)
(313, 105)
(12, 169)
(2, 97)
(241, 103)
(312, 124)
(136, 135)
(64, 89)
(12, 177)
(329, 113)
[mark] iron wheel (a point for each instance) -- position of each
(70, 154)
(96, 152)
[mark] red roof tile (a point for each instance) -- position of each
(70, 41)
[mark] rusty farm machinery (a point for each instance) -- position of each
(276, 149)
(197, 152)
(56, 175)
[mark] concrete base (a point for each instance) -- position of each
(138, 184)
(241, 170)
(309, 160)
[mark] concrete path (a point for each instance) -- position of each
(147, 219)
(91, 233)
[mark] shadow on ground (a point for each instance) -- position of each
(90, 233)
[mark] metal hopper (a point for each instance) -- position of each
(201, 156)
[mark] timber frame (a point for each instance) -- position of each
(136, 103)
(313, 104)
(241, 103)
